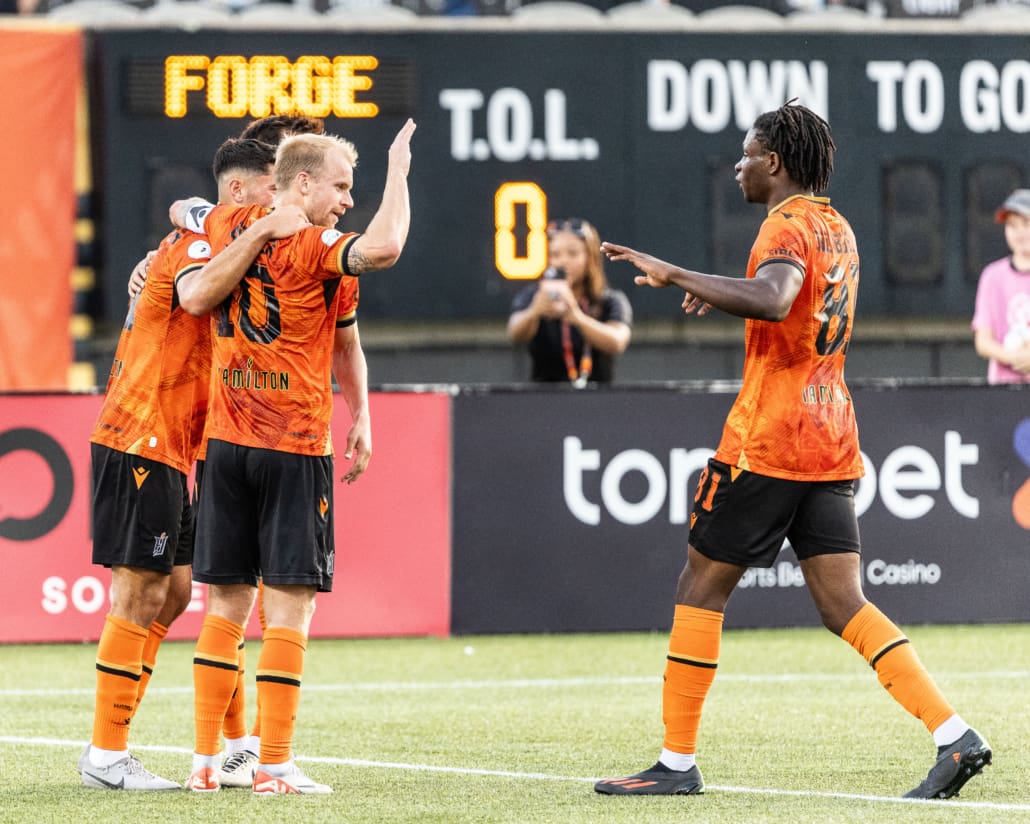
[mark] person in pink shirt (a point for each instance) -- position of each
(1001, 321)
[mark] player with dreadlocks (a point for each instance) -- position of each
(788, 458)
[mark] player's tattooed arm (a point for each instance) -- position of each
(358, 262)
(380, 245)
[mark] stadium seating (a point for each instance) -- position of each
(999, 17)
(278, 15)
(639, 14)
(95, 11)
(358, 14)
(832, 17)
(649, 14)
(551, 13)
(185, 14)
(740, 17)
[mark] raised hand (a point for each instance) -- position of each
(400, 149)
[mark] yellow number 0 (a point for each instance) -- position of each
(508, 263)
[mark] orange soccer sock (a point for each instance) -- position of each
(875, 637)
(154, 638)
(278, 686)
(255, 731)
(234, 725)
(689, 673)
(119, 665)
(215, 669)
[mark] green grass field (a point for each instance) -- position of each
(515, 728)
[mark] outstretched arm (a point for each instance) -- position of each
(381, 244)
(767, 296)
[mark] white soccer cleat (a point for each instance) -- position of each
(292, 783)
(83, 761)
(238, 769)
(125, 774)
(204, 780)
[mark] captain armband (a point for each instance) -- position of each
(195, 216)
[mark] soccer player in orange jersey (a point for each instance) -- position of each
(788, 458)
(240, 748)
(266, 504)
(143, 446)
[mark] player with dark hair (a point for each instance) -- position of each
(143, 447)
(274, 128)
(270, 130)
(788, 459)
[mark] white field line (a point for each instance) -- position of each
(541, 683)
(530, 776)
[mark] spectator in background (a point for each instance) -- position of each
(1001, 322)
(574, 323)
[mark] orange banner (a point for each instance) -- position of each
(40, 75)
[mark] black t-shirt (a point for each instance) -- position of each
(545, 348)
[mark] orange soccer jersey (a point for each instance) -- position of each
(272, 341)
(157, 392)
(794, 418)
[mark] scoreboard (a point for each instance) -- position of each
(637, 132)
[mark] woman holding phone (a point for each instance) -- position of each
(572, 321)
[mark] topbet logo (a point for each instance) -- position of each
(904, 480)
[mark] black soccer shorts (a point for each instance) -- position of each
(265, 514)
(742, 518)
(141, 512)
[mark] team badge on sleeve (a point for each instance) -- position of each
(199, 250)
(330, 236)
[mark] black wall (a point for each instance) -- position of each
(941, 539)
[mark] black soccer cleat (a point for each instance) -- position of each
(956, 764)
(659, 780)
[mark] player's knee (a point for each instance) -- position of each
(138, 595)
(178, 599)
(835, 616)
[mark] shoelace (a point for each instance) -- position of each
(135, 767)
(236, 760)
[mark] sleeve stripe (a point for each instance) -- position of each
(344, 252)
(193, 267)
(799, 266)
